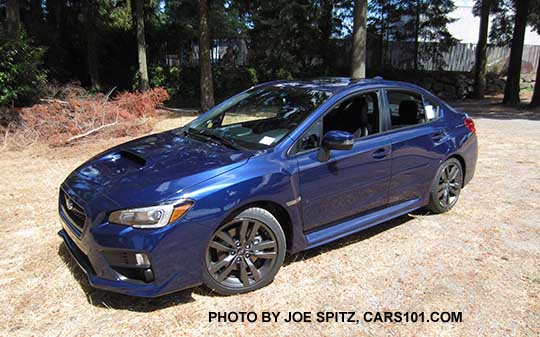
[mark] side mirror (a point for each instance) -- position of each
(335, 140)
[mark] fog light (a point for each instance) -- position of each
(127, 259)
(142, 259)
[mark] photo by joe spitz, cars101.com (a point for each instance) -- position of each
(279, 168)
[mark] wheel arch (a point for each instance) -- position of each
(462, 162)
(277, 210)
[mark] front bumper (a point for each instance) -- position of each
(171, 274)
(118, 286)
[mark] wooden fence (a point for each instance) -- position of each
(397, 55)
(461, 57)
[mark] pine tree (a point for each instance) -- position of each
(432, 30)
(13, 18)
(207, 85)
(534, 20)
(502, 25)
(422, 23)
(511, 89)
(482, 9)
(283, 35)
(90, 16)
(358, 57)
(141, 45)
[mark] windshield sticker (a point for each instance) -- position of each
(267, 140)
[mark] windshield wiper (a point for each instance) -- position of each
(195, 132)
(211, 136)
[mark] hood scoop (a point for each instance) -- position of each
(134, 157)
(120, 163)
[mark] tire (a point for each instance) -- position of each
(446, 187)
(239, 260)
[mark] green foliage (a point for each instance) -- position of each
(21, 75)
(116, 14)
(289, 37)
(409, 21)
(230, 80)
(181, 18)
(433, 29)
(285, 39)
(534, 15)
(502, 26)
(275, 55)
(182, 83)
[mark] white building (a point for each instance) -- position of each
(467, 25)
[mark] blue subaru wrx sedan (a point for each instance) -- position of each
(281, 167)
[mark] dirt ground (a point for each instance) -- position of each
(482, 258)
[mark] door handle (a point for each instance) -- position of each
(438, 136)
(379, 153)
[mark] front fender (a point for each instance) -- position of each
(260, 180)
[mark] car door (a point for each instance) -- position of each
(419, 143)
(351, 182)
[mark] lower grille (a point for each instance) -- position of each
(75, 212)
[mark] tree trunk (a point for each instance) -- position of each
(141, 46)
(380, 46)
(382, 62)
(417, 34)
(481, 49)
(92, 57)
(13, 18)
(326, 32)
(511, 90)
(205, 64)
(358, 57)
(32, 17)
(535, 102)
(36, 10)
(54, 9)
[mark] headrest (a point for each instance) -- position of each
(360, 108)
(408, 112)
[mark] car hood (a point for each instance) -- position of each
(152, 169)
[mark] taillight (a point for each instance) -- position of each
(469, 124)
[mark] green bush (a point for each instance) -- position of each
(21, 76)
(182, 83)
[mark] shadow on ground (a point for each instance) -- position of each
(492, 108)
(105, 299)
(351, 239)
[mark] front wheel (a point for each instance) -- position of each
(244, 254)
(446, 186)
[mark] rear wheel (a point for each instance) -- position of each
(446, 187)
(244, 254)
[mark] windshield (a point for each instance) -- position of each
(259, 118)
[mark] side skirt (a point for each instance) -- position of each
(328, 234)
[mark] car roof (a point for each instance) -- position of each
(337, 84)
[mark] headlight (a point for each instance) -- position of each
(150, 217)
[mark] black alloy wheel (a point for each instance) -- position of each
(245, 253)
(446, 187)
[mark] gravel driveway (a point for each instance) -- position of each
(482, 258)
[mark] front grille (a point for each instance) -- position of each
(74, 212)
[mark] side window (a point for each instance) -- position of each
(406, 108)
(358, 115)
